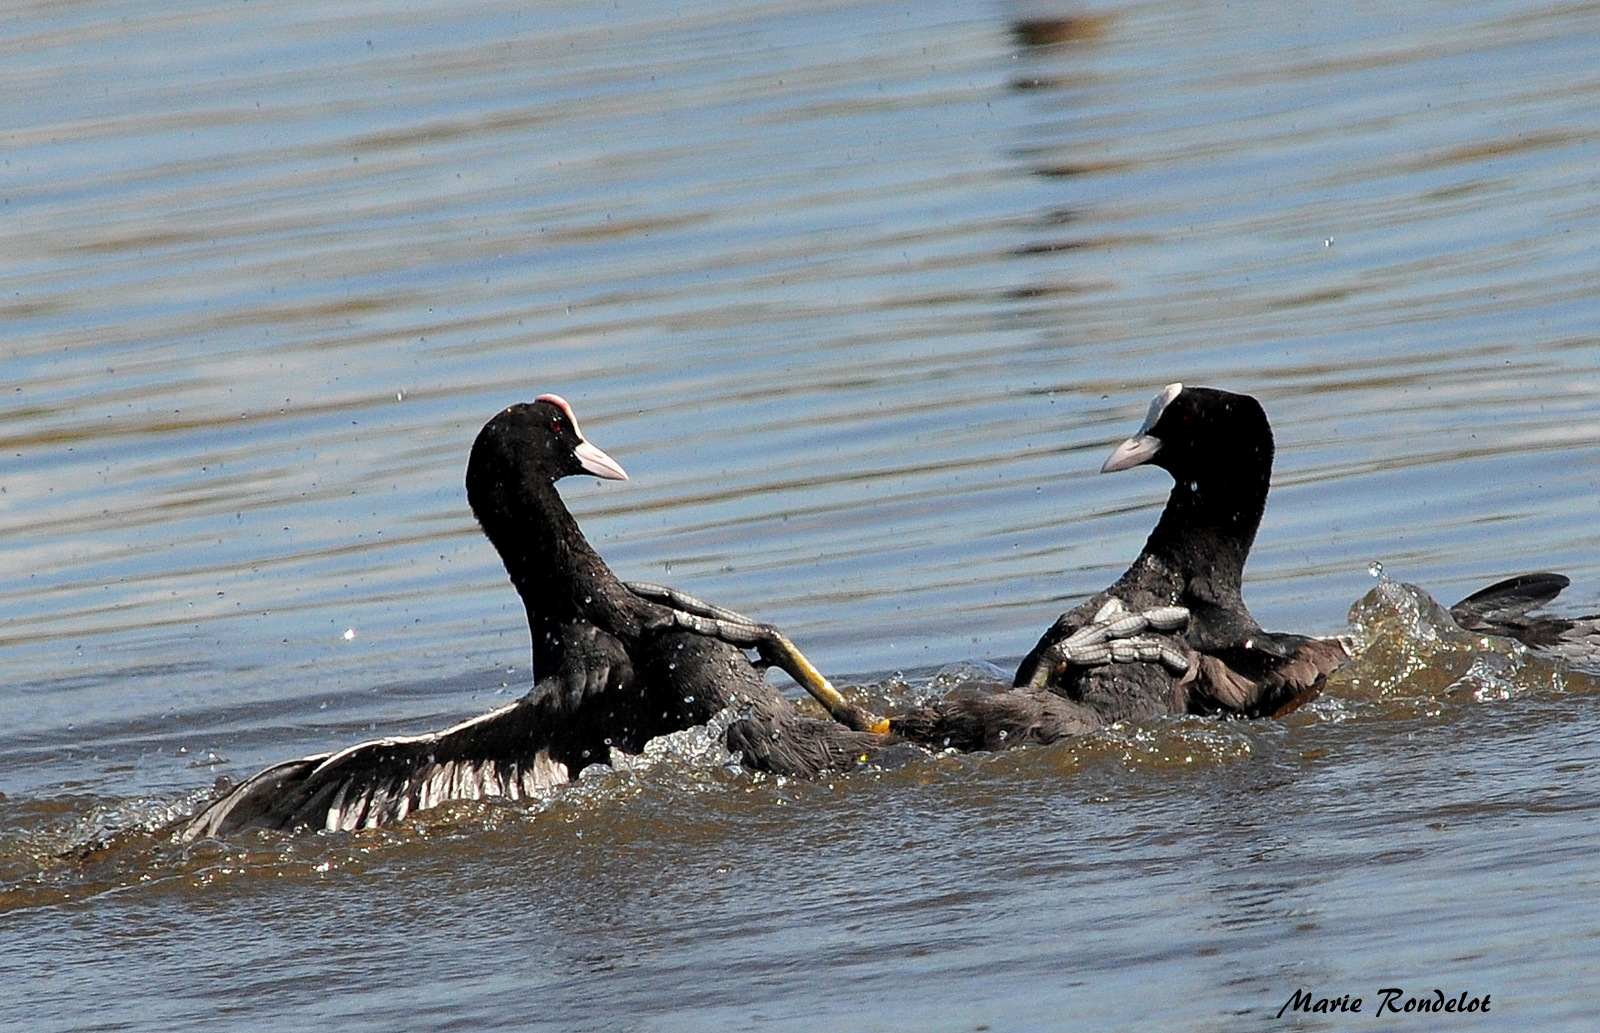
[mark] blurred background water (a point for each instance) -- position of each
(860, 294)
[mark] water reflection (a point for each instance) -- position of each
(1045, 31)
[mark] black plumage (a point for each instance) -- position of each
(1218, 448)
(1506, 608)
(614, 667)
(1173, 634)
(618, 664)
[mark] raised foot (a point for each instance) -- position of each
(771, 644)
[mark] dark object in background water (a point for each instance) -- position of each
(1503, 609)
(1065, 28)
(1218, 448)
(615, 667)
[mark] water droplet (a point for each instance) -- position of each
(672, 667)
(688, 699)
(1375, 569)
(587, 600)
(1004, 735)
(608, 741)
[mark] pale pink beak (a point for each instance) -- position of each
(1140, 448)
(598, 463)
(1143, 446)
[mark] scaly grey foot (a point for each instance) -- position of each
(1115, 636)
(767, 640)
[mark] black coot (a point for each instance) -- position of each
(1172, 635)
(1218, 448)
(615, 665)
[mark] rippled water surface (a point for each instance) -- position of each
(861, 295)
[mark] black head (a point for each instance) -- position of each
(531, 443)
(1201, 434)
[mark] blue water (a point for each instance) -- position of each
(860, 295)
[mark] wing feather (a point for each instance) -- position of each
(498, 754)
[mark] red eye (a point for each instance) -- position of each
(555, 425)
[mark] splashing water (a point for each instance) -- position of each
(1410, 659)
(1407, 645)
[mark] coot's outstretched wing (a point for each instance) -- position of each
(1504, 606)
(569, 719)
(496, 754)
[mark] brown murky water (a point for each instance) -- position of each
(860, 295)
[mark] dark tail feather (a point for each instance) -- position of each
(1507, 602)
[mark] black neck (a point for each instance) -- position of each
(1197, 552)
(558, 575)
